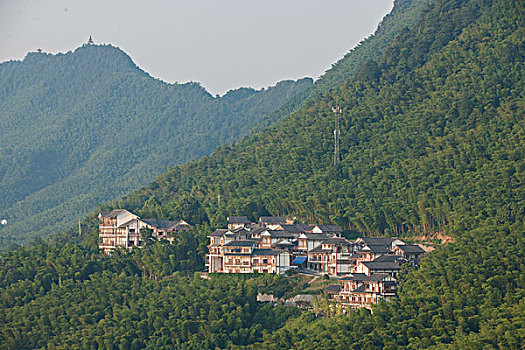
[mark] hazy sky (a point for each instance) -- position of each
(223, 44)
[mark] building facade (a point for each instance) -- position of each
(122, 228)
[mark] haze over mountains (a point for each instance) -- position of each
(88, 126)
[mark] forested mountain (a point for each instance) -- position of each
(431, 140)
(87, 126)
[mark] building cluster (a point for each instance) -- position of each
(375, 277)
(121, 228)
(366, 268)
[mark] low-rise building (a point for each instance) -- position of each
(238, 221)
(361, 290)
(389, 242)
(273, 222)
(371, 267)
(333, 256)
(122, 228)
(410, 252)
(238, 252)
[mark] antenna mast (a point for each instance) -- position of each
(337, 111)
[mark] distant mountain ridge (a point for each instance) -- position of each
(88, 126)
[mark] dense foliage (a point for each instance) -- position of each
(468, 295)
(88, 126)
(70, 297)
(431, 137)
(431, 140)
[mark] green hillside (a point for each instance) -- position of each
(432, 139)
(88, 126)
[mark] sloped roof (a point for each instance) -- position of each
(219, 233)
(281, 234)
(297, 228)
(126, 223)
(376, 277)
(240, 243)
(378, 240)
(241, 231)
(305, 227)
(319, 249)
(299, 260)
(386, 241)
(411, 248)
(353, 277)
(291, 228)
(272, 220)
(257, 230)
(329, 228)
(382, 265)
(376, 249)
(337, 241)
(164, 224)
(238, 220)
(113, 214)
(388, 257)
(361, 277)
(316, 236)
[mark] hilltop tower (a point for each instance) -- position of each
(90, 41)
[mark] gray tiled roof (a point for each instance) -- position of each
(304, 227)
(238, 220)
(329, 228)
(314, 236)
(112, 214)
(375, 277)
(298, 228)
(388, 257)
(240, 243)
(352, 277)
(337, 241)
(378, 240)
(219, 233)
(319, 249)
(382, 265)
(411, 248)
(257, 230)
(281, 234)
(163, 224)
(272, 220)
(377, 249)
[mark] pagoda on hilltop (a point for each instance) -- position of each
(90, 41)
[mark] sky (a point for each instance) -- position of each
(223, 44)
